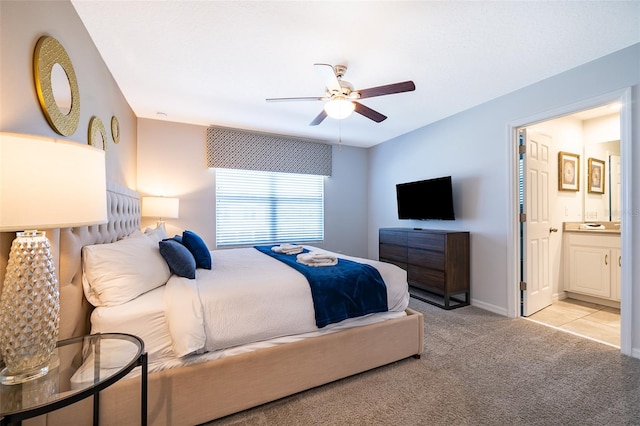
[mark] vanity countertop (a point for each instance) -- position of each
(598, 228)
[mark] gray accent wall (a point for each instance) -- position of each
(22, 23)
(172, 162)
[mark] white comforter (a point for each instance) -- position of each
(248, 297)
(246, 302)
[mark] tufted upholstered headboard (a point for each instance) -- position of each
(123, 205)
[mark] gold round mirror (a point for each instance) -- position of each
(53, 72)
(115, 129)
(97, 133)
(61, 89)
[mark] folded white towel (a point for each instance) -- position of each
(317, 259)
(287, 249)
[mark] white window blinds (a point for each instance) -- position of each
(255, 207)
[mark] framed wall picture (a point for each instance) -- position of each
(568, 171)
(596, 176)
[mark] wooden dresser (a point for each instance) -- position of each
(436, 261)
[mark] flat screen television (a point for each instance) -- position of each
(426, 199)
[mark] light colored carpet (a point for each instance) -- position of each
(478, 368)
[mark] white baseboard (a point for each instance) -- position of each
(489, 307)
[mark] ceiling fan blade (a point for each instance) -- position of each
(306, 98)
(319, 119)
(328, 74)
(369, 113)
(405, 86)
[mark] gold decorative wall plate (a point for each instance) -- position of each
(97, 133)
(61, 111)
(115, 129)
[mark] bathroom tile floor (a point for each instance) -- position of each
(590, 320)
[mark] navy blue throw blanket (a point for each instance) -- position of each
(346, 290)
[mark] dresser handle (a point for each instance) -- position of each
(606, 258)
(620, 261)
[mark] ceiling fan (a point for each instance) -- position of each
(343, 98)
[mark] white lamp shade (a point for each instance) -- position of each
(50, 183)
(339, 108)
(161, 207)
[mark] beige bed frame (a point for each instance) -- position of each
(199, 393)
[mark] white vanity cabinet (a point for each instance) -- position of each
(592, 264)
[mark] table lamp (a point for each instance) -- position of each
(161, 208)
(45, 183)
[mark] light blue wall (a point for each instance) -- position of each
(474, 148)
(345, 202)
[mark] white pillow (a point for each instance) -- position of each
(156, 234)
(118, 272)
(135, 234)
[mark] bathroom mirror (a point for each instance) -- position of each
(603, 206)
(601, 146)
(51, 68)
(615, 181)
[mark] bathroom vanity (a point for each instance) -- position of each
(592, 259)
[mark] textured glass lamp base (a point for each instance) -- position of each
(29, 309)
(11, 378)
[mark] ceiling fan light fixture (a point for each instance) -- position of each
(339, 108)
(343, 99)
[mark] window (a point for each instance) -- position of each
(254, 207)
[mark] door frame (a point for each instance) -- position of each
(513, 236)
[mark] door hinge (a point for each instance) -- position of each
(523, 217)
(523, 286)
(522, 149)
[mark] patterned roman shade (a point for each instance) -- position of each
(239, 149)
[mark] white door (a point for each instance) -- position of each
(537, 228)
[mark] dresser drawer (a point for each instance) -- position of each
(393, 252)
(426, 278)
(401, 265)
(427, 258)
(427, 241)
(398, 238)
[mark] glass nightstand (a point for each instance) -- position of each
(85, 365)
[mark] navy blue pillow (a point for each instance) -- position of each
(179, 258)
(198, 249)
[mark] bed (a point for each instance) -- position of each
(227, 375)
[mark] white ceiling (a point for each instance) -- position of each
(215, 62)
